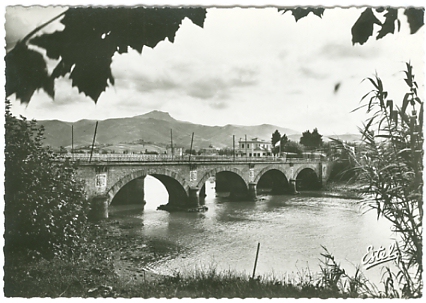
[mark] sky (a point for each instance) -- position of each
(247, 66)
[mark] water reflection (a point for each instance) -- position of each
(291, 230)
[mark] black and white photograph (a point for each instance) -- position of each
(213, 150)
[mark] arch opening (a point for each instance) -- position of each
(177, 194)
(231, 185)
(132, 193)
(157, 188)
(307, 179)
(273, 182)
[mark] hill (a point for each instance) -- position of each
(153, 128)
(152, 131)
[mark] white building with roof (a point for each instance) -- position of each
(254, 147)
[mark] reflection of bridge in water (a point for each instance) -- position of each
(120, 178)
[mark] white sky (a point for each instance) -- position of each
(246, 66)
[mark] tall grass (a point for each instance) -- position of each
(392, 167)
(94, 275)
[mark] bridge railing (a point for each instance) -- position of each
(185, 158)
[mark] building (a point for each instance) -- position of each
(210, 151)
(175, 151)
(254, 148)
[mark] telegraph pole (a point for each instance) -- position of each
(93, 143)
(190, 150)
(279, 155)
(72, 141)
(246, 145)
(171, 142)
(233, 147)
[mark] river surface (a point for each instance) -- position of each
(290, 230)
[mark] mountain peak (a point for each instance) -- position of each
(159, 115)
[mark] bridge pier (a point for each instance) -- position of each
(293, 187)
(99, 208)
(193, 197)
(252, 191)
(202, 196)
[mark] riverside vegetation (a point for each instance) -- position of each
(52, 250)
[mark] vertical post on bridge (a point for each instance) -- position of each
(246, 145)
(190, 150)
(233, 147)
(93, 143)
(171, 143)
(72, 141)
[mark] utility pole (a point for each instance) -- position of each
(233, 147)
(279, 155)
(171, 142)
(93, 143)
(72, 141)
(190, 150)
(246, 145)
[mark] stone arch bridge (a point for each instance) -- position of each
(107, 177)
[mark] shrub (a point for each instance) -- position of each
(293, 147)
(45, 207)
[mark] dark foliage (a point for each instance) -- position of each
(364, 26)
(92, 35)
(45, 208)
(311, 140)
(300, 12)
(26, 72)
(293, 147)
(415, 18)
(282, 139)
(276, 137)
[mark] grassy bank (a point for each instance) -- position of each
(112, 265)
(345, 189)
(83, 278)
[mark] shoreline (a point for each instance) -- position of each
(116, 264)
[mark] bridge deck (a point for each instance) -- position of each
(132, 158)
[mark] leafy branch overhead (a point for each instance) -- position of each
(86, 45)
(363, 27)
(92, 35)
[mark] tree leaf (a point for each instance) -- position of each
(388, 27)
(415, 18)
(363, 27)
(26, 72)
(92, 35)
(300, 12)
(405, 102)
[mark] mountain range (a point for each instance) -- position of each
(157, 128)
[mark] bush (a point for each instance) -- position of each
(293, 147)
(45, 207)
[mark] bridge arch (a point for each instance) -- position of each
(213, 172)
(175, 186)
(307, 178)
(228, 179)
(272, 180)
(271, 167)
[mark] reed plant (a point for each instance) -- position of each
(391, 165)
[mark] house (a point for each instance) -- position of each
(175, 151)
(254, 148)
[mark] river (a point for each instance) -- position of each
(290, 230)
